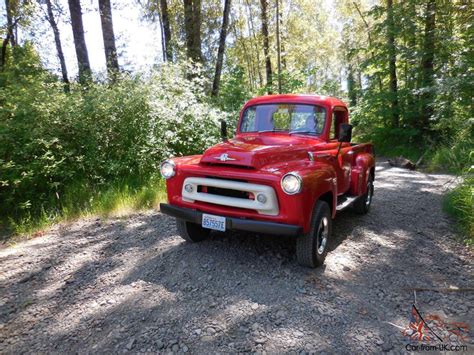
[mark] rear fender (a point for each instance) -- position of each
(364, 164)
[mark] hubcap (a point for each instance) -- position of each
(323, 233)
(370, 193)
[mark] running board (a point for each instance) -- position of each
(346, 203)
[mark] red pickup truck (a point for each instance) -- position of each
(290, 167)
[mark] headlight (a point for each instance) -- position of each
(168, 169)
(291, 183)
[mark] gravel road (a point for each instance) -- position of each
(132, 285)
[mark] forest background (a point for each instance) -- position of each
(94, 94)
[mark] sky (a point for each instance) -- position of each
(138, 41)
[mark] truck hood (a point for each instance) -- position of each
(256, 151)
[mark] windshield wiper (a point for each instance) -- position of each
(272, 130)
(303, 132)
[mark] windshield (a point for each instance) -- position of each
(292, 118)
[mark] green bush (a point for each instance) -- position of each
(59, 149)
(391, 142)
(457, 156)
(460, 204)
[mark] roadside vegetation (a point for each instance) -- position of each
(94, 148)
(92, 143)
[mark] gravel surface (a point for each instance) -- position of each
(132, 285)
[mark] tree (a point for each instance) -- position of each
(278, 44)
(108, 36)
(166, 30)
(57, 41)
(79, 39)
(351, 86)
(192, 26)
(427, 66)
(251, 29)
(220, 52)
(10, 37)
(10, 22)
(266, 45)
(392, 65)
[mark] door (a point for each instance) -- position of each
(344, 161)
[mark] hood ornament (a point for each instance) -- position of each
(224, 157)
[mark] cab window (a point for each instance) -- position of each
(338, 117)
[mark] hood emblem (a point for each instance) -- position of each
(224, 157)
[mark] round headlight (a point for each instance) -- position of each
(168, 169)
(291, 183)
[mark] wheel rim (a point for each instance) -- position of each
(323, 233)
(370, 193)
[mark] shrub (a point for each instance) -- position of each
(460, 204)
(90, 138)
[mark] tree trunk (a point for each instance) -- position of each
(10, 37)
(108, 36)
(10, 25)
(220, 52)
(256, 49)
(278, 44)
(192, 27)
(188, 27)
(266, 46)
(79, 40)
(369, 37)
(166, 30)
(351, 86)
(392, 66)
(411, 114)
(163, 42)
(197, 29)
(57, 41)
(428, 64)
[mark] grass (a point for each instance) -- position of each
(459, 203)
(81, 200)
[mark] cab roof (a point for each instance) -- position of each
(327, 101)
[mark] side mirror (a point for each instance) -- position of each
(224, 131)
(345, 132)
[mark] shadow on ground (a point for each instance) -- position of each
(133, 285)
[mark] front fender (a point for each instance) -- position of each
(319, 181)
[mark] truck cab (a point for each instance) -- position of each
(290, 167)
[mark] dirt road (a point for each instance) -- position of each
(132, 285)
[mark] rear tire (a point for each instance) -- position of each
(312, 248)
(363, 203)
(191, 232)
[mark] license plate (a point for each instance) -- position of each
(213, 222)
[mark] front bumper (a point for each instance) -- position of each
(248, 225)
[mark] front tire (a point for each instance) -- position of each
(191, 232)
(312, 248)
